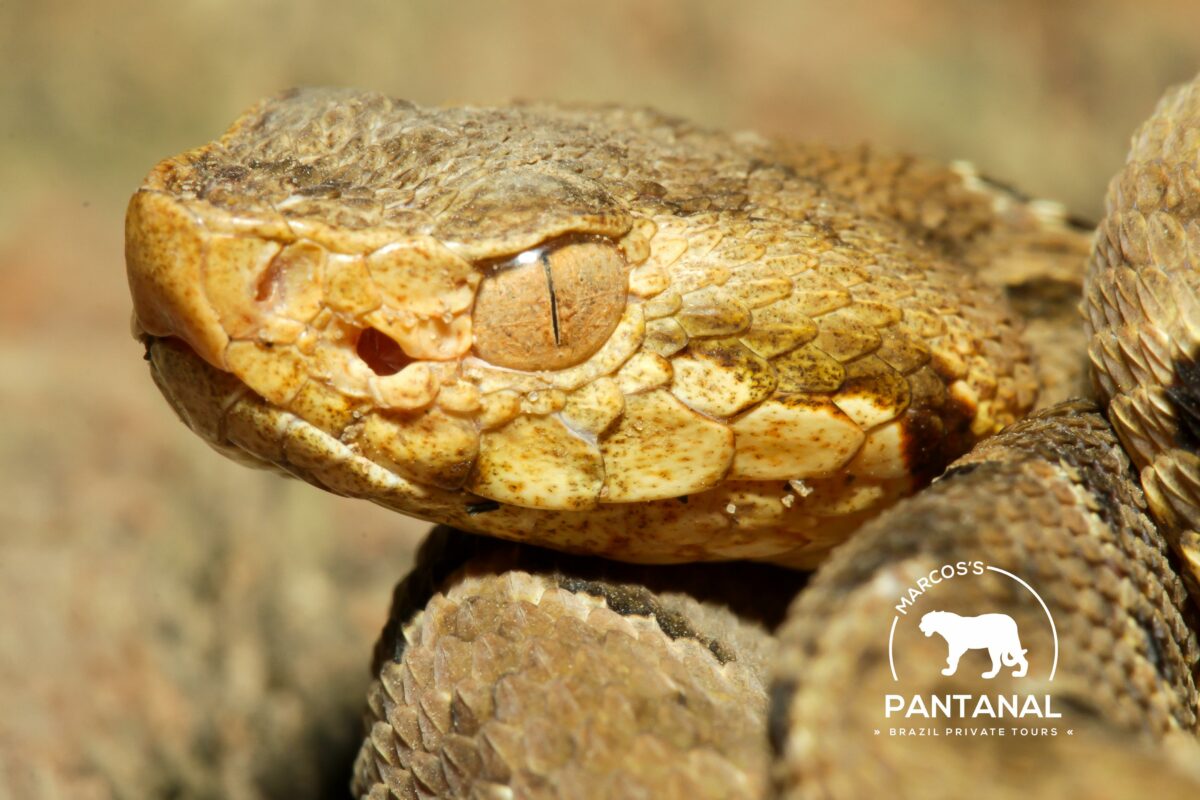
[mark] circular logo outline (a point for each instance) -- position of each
(1038, 597)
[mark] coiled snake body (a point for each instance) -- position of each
(612, 333)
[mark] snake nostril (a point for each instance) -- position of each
(381, 353)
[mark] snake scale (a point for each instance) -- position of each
(613, 333)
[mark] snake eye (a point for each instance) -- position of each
(550, 307)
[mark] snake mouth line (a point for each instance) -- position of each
(240, 423)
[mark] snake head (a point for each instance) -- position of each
(601, 329)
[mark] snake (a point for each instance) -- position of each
(645, 376)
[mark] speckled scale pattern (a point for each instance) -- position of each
(1063, 512)
(1142, 306)
(776, 332)
(508, 671)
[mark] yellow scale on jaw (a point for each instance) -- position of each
(663, 345)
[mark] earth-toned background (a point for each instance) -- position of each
(174, 626)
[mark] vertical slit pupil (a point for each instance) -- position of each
(549, 273)
(381, 353)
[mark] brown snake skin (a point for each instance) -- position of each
(553, 324)
(510, 671)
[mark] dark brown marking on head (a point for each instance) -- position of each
(935, 436)
(924, 444)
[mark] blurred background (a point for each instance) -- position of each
(174, 626)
